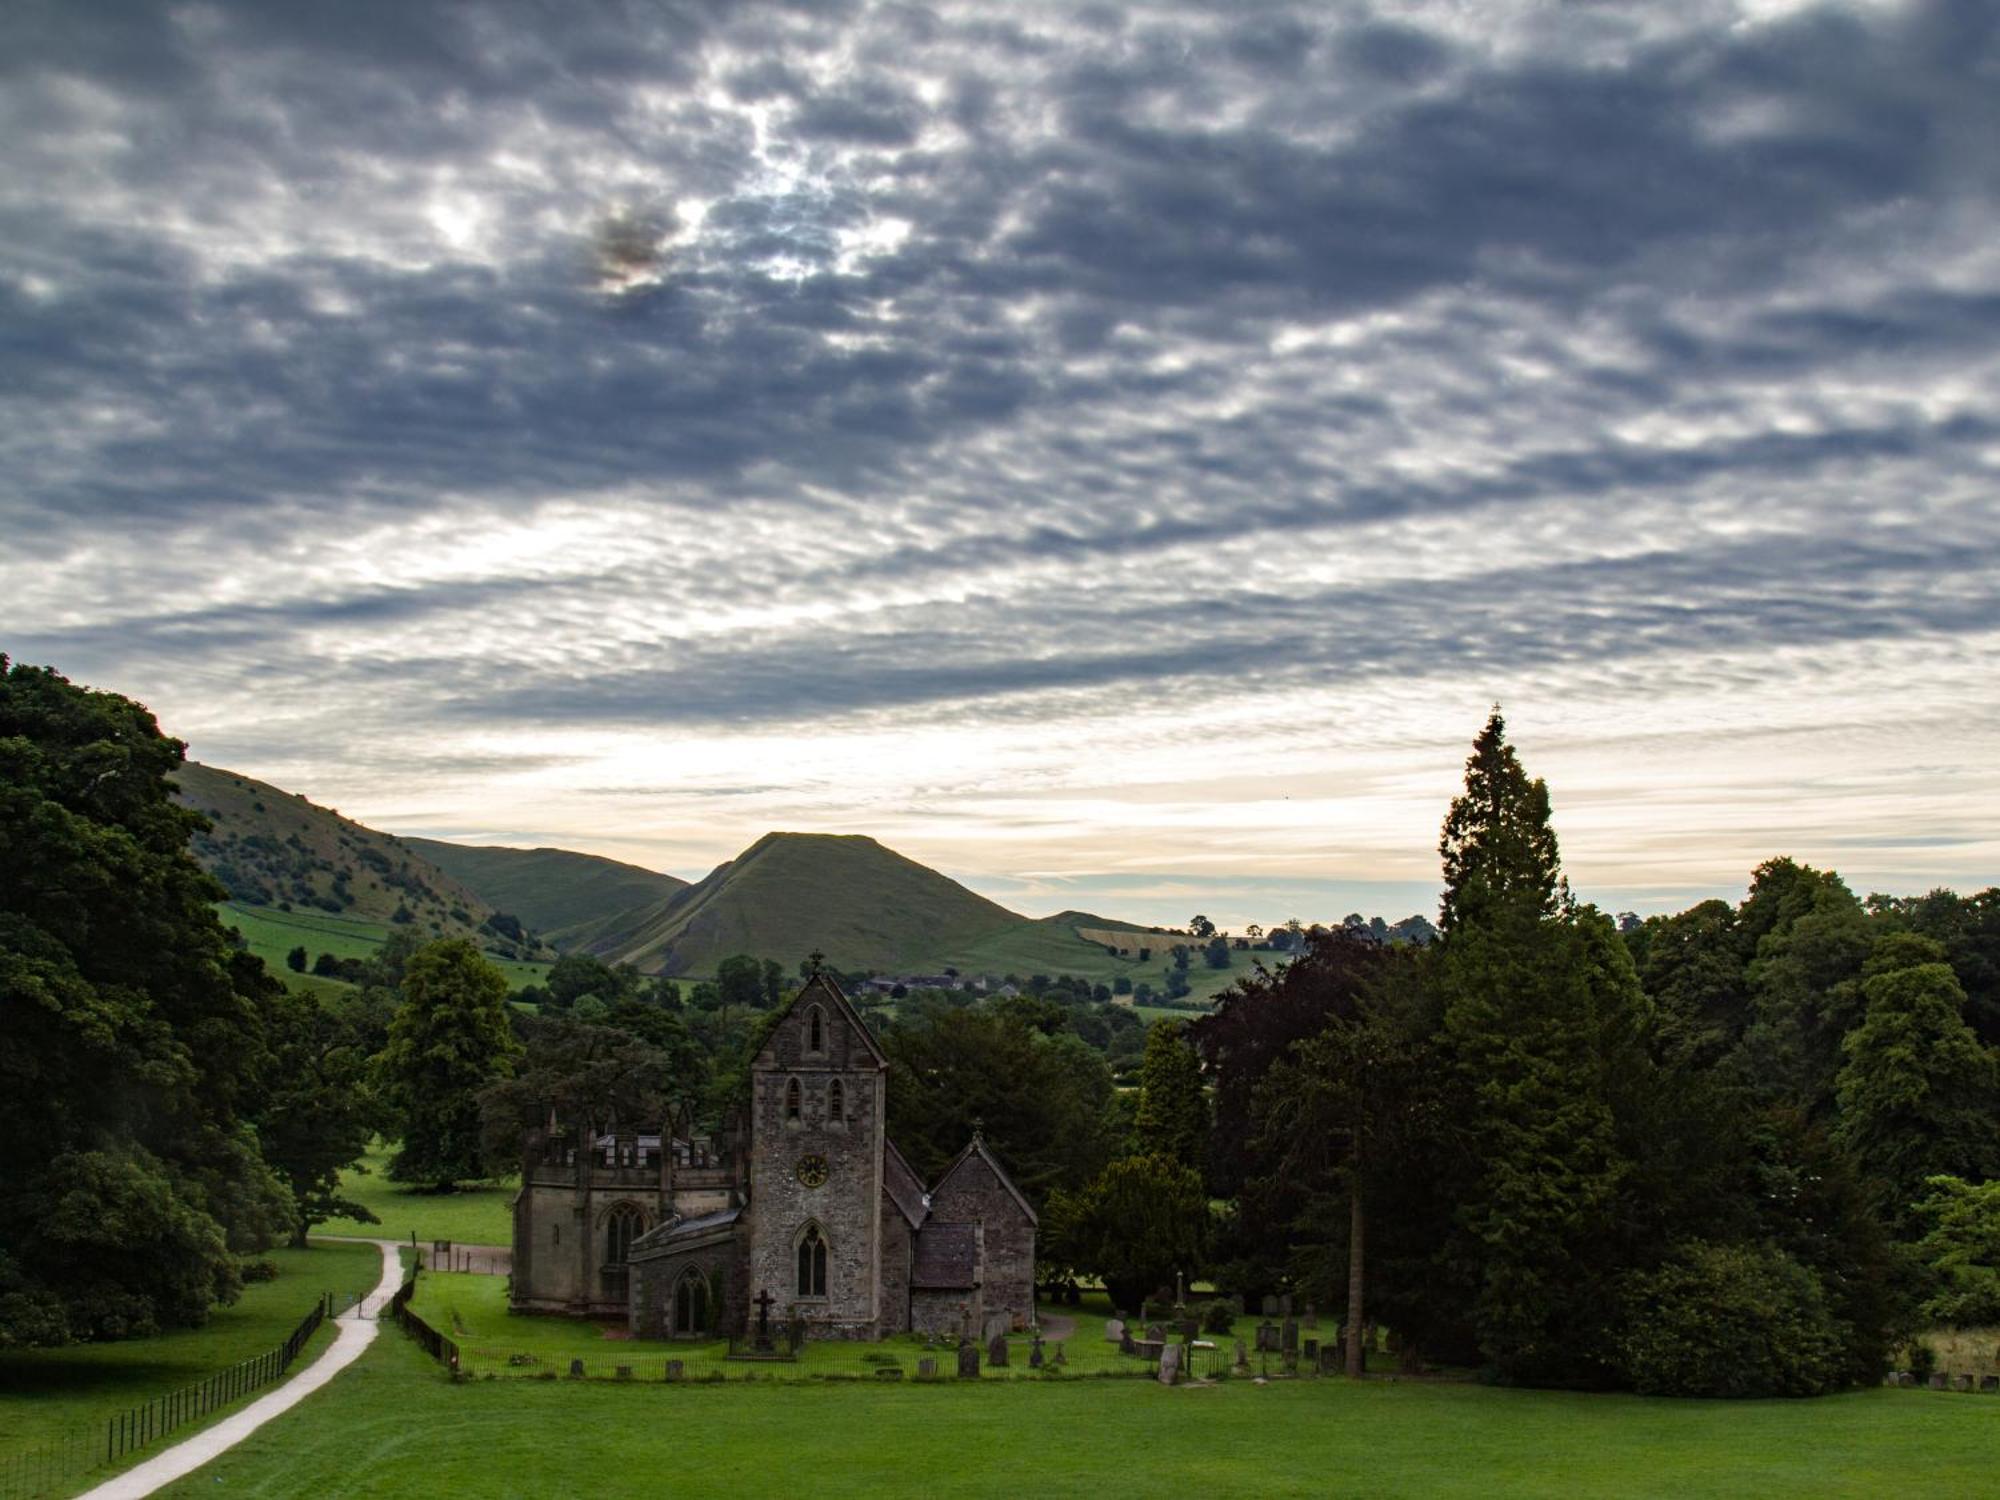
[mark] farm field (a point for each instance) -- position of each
(477, 1214)
(46, 1393)
(394, 1425)
(272, 934)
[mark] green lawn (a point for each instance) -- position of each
(49, 1393)
(394, 1426)
(478, 1214)
(272, 934)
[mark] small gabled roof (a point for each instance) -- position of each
(977, 1147)
(671, 1236)
(904, 1187)
(820, 987)
(947, 1258)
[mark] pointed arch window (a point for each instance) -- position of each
(815, 1030)
(812, 1262)
(624, 1224)
(794, 1100)
(691, 1302)
(836, 1103)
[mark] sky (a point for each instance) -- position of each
(1115, 455)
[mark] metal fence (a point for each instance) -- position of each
(56, 1464)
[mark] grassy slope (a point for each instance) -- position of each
(303, 848)
(1050, 945)
(863, 905)
(548, 889)
(272, 934)
(394, 1426)
(475, 1215)
(48, 1392)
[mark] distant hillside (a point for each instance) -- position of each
(864, 906)
(273, 849)
(548, 889)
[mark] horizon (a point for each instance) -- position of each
(1114, 458)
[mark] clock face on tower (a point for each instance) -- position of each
(812, 1170)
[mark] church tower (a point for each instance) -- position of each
(818, 1122)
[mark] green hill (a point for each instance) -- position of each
(273, 849)
(548, 889)
(864, 906)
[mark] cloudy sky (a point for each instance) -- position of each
(1114, 454)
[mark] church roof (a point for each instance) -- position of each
(977, 1148)
(904, 1187)
(822, 988)
(947, 1257)
(667, 1237)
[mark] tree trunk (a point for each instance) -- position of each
(1356, 1283)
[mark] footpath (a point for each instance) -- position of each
(355, 1330)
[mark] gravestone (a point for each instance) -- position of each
(1125, 1344)
(968, 1361)
(1939, 1380)
(996, 1351)
(621, 1372)
(764, 1299)
(1289, 1339)
(1329, 1359)
(1035, 1353)
(1270, 1307)
(1309, 1351)
(1989, 1384)
(576, 1369)
(1156, 1333)
(889, 1372)
(1285, 1305)
(675, 1369)
(1312, 1316)
(1242, 1356)
(926, 1369)
(998, 1325)
(1170, 1364)
(1961, 1382)
(1267, 1337)
(1114, 1330)
(1188, 1327)
(1291, 1362)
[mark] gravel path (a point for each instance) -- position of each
(354, 1331)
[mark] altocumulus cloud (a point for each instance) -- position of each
(1181, 420)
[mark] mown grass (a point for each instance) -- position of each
(395, 1426)
(476, 1214)
(48, 1393)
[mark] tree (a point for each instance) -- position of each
(1919, 1092)
(739, 979)
(1216, 954)
(322, 1110)
(296, 959)
(132, 1033)
(575, 975)
(1173, 1109)
(1135, 1225)
(1201, 929)
(1962, 1250)
(450, 1041)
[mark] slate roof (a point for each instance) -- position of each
(947, 1258)
(664, 1237)
(904, 1187)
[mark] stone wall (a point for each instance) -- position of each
(946, 1314)
(972, 1192)
(897, 1245)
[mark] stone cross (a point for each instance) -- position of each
(764, 1300)
(1035, 1353)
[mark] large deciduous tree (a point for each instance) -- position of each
(450, 1041)
(132, 1034)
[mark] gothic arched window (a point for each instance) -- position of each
(625, 1224)
(836, 1103)
(815, 1031)
(691, 1302)
(812, 1262)
(794, 1100)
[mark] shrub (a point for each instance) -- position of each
(1728, 1320)
(1218, 1316)
(261, 1270)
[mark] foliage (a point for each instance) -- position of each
(448, 1042)
(322, 1109)
(132, 1033)
(1141, 1220)
(1728, 1320)
(1173, 1111)
(1962, 1251)
(583, 1074)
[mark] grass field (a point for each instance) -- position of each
(46, 1393)
(395, 1426)
(272, 934)
(479, 1214)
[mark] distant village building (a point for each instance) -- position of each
(808, 1201)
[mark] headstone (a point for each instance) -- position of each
(1035, 1353)
(675, 1369)
(1939, 1380)
(1270, 1307)
(1312, 1316)
(996, 1351)
(1285, 1305)
(1267, 1337)
(1242, 1356)
(576, 1369)
(1289, 1340)
(1156, 1333)
(998, 1325)
(1309, 1350)
(1188, 1327)
(1125, 1344)
(1291, 1362)
(1989, 1384)
(1170, 1364)
(968, 1360)
(1114, 1330)
(621, 1372)
(1961, 1382)
(1329, 1359)
(1906, 1379)
(889, 1372)
(926, 1369)
(764, 1299)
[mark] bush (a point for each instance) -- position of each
(1728, 1320)
(260, 1270)
(1218, 1316)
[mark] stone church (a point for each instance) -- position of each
(808, 1201)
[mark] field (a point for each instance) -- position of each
(1051, 946)
(474, 1215)
(272, 934)
(46, 1393)
(395, 1426)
